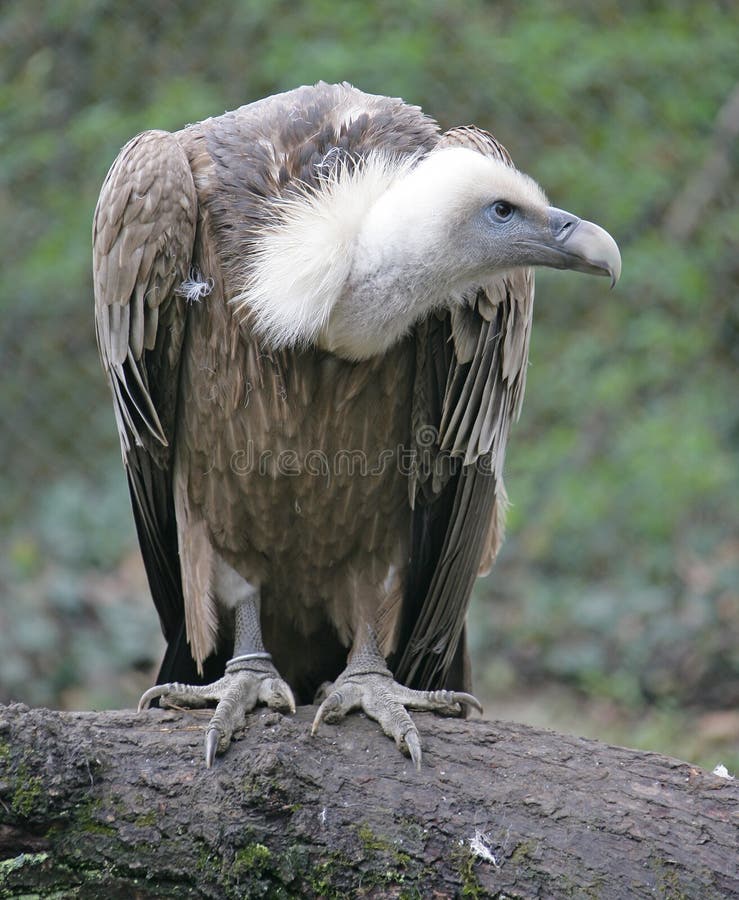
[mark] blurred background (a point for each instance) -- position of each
(614, 608)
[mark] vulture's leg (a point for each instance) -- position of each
(368, 684)
(250, 676)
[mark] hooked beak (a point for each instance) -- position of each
(567, 242)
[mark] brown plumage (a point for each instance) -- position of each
(342, 482)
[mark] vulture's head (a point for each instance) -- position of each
(352, 265)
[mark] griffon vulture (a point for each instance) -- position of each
(314, 315)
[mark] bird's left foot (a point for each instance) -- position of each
(376, 693)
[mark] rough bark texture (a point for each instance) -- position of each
(120, 805)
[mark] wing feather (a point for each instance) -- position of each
(470, 396)
(143, 236)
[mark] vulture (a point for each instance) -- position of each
(314, 315)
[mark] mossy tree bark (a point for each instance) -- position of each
(121, 805)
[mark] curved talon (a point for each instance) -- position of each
(317, 719)
(152, 694)
(469, 700)
(211, 746)
(434, 700)
(413, 743)
(330, 704)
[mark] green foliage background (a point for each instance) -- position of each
(614, 607)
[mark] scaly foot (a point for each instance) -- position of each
(247, 682)
(376, 692)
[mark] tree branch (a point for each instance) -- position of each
(121, 805)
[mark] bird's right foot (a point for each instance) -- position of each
(245, 684)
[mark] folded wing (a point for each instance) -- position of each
(143, 235)
(470, 377)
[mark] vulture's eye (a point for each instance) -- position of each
(501, 211)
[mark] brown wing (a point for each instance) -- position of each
(143, 234)
(471, 370)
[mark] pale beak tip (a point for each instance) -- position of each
(614, 271)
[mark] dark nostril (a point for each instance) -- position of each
(566, 228)
(562, 224)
